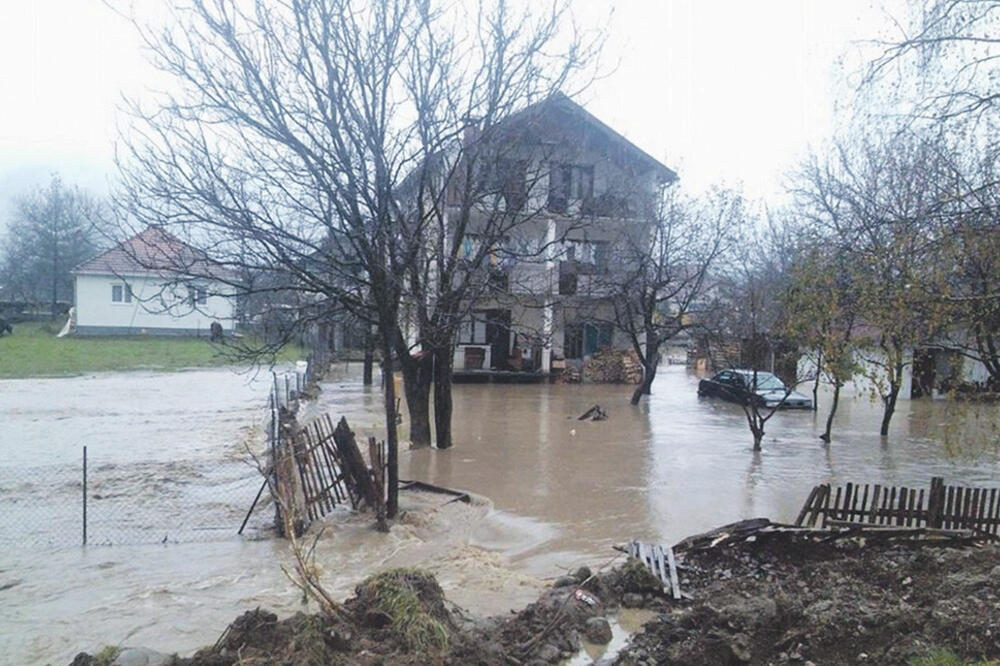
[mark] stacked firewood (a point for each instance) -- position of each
(613, 366)
(631, 368)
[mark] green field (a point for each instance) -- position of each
(35, 351)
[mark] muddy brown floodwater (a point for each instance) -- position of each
(675, 465)
(553, 492)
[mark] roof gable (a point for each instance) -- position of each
(155, 252)
(560, 104)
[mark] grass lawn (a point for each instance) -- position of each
(35, 351)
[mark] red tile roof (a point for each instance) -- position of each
(153, 251)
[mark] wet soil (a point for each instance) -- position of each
(760, 603)
(828, 603)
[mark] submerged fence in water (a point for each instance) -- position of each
(99, 500)
(119, 494)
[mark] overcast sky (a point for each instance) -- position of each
(730, 91)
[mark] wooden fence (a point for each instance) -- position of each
(940, 507)
(321, 470)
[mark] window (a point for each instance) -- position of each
(590, 253)
(121, 293)
(569, 183)
(573, 341)
(197, 295)
(568, 281)
(508, 179)
(599, 254)
(583, 339)
(473, 329)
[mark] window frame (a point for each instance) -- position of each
(124, 291)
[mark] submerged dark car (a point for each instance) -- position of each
(741, 386)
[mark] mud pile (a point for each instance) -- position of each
(755, 603)
(826, 603)
(401, 617)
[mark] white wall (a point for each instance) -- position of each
(866, 382)
(153, 305)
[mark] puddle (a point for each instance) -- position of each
(625, 624)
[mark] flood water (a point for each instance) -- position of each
(555, 492)
(675, 465)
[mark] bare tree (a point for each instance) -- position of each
(819, 304)
(299, 131)
(748, 322)
(944, 63)
(53, 230)
(662, 274)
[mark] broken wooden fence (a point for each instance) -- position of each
(319, 467)
(660, 562)
(939, 507)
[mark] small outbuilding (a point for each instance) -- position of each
(152, 284)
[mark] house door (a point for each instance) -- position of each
(498, 335)
(596, 337)
(924, 362)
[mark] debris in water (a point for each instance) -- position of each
(595, 413)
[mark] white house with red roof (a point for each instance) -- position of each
(152, 284)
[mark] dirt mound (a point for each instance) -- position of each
(406, 606)
(766, 602)
(848, 603)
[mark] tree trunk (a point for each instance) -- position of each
(442, 397)
(366, 376)
(833, 410)
(819, 365)
(392, 436)
(55, 278)
(416, 386)
(758, 437)
(648, 375)
(890, 407)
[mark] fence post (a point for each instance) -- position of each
(84, 495)
(935, 503)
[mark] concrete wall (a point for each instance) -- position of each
(155, 307)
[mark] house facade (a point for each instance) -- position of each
(582, 189)
(151, 284)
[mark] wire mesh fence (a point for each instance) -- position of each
(129, 493)
(98, 500)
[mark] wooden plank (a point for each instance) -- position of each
(675, 584)
(873, 516)
(932, 502)
(960, 507)
(893, 507)
(864, 505)
(901, 513)
(317, 499)
(991, 523)
(947, 520)
(921, 515)
(835, 511)
(661, 566)
(819, 505)
(807, 506)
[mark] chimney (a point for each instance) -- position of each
(470, 130)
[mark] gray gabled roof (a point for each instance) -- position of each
(561, 103)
